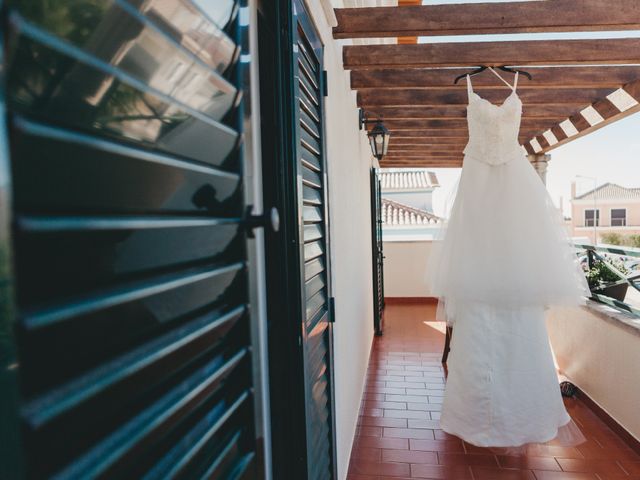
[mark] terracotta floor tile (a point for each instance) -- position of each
(488, 473)
(372, 412)
(442, 472)
(407, 414)
(445, 446)
(368, 431)
(389, 390)
(418, 433)
(385, 405)
(420, 423)
(546, 475)
(411, 384)
(365, 453)
(383, 442)
(383, 422)
(409, 398)
(631, 467)
(525, 462)
(549, 451)
(367, 396)
(365, 467)
(467, 459)
(355, 476)
(410, 456)
(590, 466)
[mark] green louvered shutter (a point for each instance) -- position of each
(313, 231)
(378, 256)
(132, 325)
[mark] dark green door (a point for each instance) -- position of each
(131, 334)
(313, 233)
(378, 256)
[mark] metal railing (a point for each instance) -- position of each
(597, 254)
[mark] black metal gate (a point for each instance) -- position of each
(131, 334)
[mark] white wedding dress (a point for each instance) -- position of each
(503, 258)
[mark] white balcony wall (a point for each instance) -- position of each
(598, 349)
(405, 268)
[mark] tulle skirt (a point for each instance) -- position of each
(505, 243)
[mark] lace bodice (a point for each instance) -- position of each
(493, 129)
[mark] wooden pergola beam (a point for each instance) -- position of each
(609, 112)
(543, 77)
(461, 138)
(453, 162)
(423, 164)
(411, 136)
(453, 124)
(426, 148)
(411, 97)
(444, 135)
(619, 51)
(438, 155)
(487, 18)
(444, 112)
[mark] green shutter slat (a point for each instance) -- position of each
(311, 196)
(161, 416)
(311, 178)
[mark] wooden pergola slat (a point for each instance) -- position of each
(543, 77)
(607, 110)
(618, 51)
(487, 18)
(411, 97)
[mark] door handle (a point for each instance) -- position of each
(269, 219)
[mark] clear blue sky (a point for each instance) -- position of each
(611, 154)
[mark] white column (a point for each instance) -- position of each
(539, 162)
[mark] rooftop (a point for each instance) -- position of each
(396, 213)
(407, 179)
(610, 191)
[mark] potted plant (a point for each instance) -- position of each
(603, 280)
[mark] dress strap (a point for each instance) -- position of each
(515, 81)
(512, 87)
(469, 86)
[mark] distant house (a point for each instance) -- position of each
(407, 203)
(609, 208)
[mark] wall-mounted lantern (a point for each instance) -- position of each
(378, 136)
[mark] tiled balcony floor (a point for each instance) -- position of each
(398, 435)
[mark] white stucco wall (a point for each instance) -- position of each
(405, 264)
(598, 349)
(349, 161)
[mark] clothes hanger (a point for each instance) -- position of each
(482, 68)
